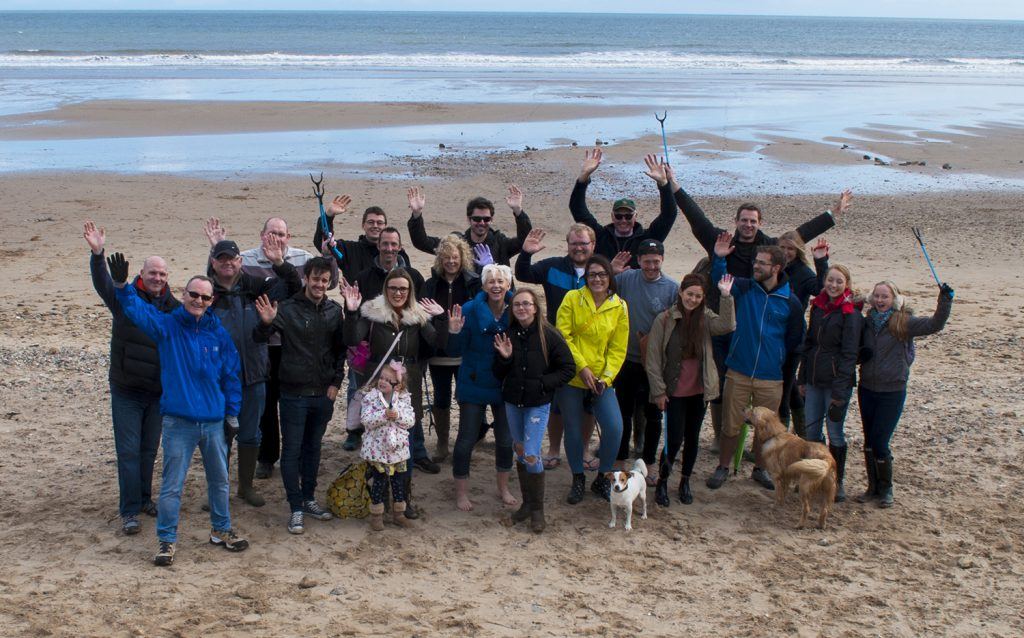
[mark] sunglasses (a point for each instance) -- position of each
(480, 220)
(198, 295)
(624, 216)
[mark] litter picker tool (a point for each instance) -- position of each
(664, 141)
(318, 190)
(920, 240)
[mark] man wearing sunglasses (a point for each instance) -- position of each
(202, 393)
(134, 380)
(625, 233)
(490, 246)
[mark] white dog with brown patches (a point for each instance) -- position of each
(626, 488)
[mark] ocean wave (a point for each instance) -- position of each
(610, 60)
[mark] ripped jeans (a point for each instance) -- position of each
(527, 426)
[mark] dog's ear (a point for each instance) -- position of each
(610, 476)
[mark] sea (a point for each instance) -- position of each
(737, 76)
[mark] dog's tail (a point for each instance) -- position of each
(641, 467)
(814, 474)
(812, 468)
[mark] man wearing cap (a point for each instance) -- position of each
(489, 245)
(624, 233)
(647, 293)
(234, 292)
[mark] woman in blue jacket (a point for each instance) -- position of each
(486, 316)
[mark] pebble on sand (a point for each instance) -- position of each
(307, 582)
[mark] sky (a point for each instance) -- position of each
(977, 9)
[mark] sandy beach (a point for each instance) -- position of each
(946, 560)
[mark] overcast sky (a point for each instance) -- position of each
(982, 9)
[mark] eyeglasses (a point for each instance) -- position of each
(480, 220)
(597, 275)
(623, 216)
(398, 290)
(522, 304)
(197, 295)
(767, 264)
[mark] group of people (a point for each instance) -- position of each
(255, 353)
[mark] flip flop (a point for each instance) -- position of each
(551, 462)
(592, 464)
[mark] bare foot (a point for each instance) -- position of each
(463, 503)
(507, 498)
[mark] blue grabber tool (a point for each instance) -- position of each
(920, 240)
(664, 142)
(318, 190)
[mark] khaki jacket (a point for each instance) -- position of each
(662, 372)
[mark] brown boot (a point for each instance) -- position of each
(523, 512)
(442, 426)
(377, 516)
(537, 523)
(398, 514)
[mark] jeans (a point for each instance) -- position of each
(631, 388)
(816, 403)
(609, 418)
(527, 427)
(136, 439)
(443, 380)
(684, 417)
(303, 423)
(880, 413)
(270, 426)
(253, 402)
(180, 438)
(471, 418)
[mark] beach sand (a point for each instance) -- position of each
(946, 560)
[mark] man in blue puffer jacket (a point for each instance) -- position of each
(202, 393)
(769, 323)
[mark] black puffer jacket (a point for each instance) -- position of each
(527, 380)
(829, 357)
(448, 294)
(134, 359)
(375, 322)
(887, 359)
(356, 254)
(805, 283)
(312, 345)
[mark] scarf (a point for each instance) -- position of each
(879, 319)
(844, 303)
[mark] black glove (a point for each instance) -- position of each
(946, 290)
(118, 268)
(230, 428)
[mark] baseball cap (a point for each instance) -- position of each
(650, 247)
(626, 203)
(225, 247)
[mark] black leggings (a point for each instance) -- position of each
(632, 388)
(684, 418)
(379, 486)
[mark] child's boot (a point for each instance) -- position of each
(377, 516)
(398, 514)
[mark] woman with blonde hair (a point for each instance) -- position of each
(886, 356)
(453, 283)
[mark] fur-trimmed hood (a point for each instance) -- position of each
(379, 310)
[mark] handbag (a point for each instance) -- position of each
(349, 496)
(358, 356)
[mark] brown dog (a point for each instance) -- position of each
(789, 458)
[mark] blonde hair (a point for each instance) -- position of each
(449, 244)
(901, 315)
(798, 242)
(581, 229)
(540, 318)
(844, 271)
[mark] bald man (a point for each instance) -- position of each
(134, 380)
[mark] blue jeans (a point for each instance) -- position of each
(609, 418)
(180, 438)
(880, 413)
(527, 427)
(136, 439)
(471, 418)
(816, 403)
(254, 401)
(303, 423)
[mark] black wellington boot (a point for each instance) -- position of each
(871, 493)
(839, 454)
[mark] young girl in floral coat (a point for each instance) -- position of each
(386, 414)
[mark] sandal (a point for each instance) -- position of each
(551, 462)
(592, 464)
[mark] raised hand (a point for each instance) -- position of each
(273, 249)
(620, 263)
(266, 309)
(591, 161)
(843, 205)
(338, 205)
(514, 199)
(350, 293)
(455, 320)
(118, 268)
(946, 290)
(534, 242)
(214, 231)
(670, 175)
(723, 245)
(656, 169)
(503, 345)
(482, 254)
(820, 250)
(725, 285)
(95, 237)
(431, 307)
(417, 200)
